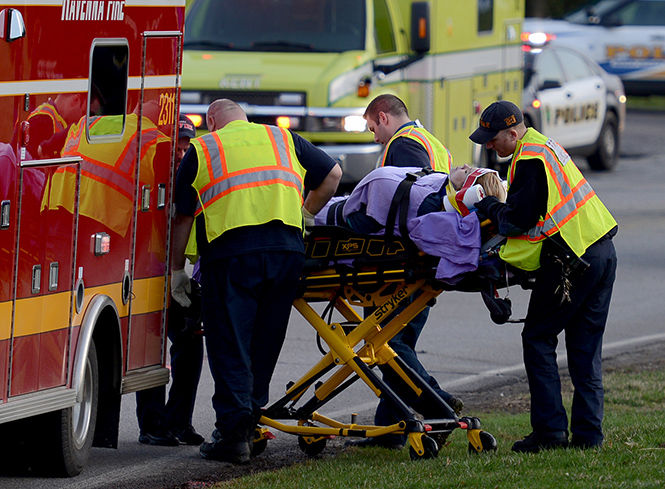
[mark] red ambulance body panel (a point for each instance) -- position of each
(88, 97)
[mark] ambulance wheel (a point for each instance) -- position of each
(431, 450)
(487, 441)
(311, 446)
(74, 427)
(606, 155)
(258, 447)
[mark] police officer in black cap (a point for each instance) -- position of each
(556, 226)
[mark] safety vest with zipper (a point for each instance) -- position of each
(248, 174)
(440, 158)
(573, 208)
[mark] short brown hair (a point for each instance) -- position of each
(390, 104)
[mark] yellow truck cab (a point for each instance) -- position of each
(314, 65)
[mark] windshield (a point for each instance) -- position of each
(276, 25)
(594, 9)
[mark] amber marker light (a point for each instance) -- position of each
(536, 104)
(363, 88)
(206, 56)
(196, 119)
(284, 122)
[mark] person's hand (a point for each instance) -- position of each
(180, 287)
(309, 219)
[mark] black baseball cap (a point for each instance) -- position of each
(497, 117)
(186, 127)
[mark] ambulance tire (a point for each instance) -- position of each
(74, 427)
(606, 154)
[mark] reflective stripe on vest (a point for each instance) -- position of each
(222, 182)
(570, 199)
(435, 150)
(49, 110)
(118, 174)
(108, 170)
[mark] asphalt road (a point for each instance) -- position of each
(461, 346)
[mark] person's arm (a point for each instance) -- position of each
(318, 197)
(323, 174)
(526, 202)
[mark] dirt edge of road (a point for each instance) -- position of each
(504, 394)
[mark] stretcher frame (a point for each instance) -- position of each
(345, 270)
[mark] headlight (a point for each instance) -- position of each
(537, 38)
(355, 123)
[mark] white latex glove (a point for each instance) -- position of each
(180, 287)
(309, 219)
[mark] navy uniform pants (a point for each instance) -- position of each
(404, 344)
(246, 304)
(186, 361)
(583, 321)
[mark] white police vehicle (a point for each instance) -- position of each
(625, 37)
(572, 100)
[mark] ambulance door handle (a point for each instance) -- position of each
(569, 95)
(36, 283)
(5, 214)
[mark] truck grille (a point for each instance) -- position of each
(247, 97)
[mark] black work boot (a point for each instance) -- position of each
(232, 443)
(224, 450)
(535, 442)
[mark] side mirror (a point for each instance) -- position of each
(420, 39)
(549, 84)
(12, 26)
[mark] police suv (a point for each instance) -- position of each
(572, 100)
(625, 37)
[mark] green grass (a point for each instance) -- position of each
(651, 102)
(633, 455)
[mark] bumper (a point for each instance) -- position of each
(356, 160)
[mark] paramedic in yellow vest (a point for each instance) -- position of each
(242, 186)
(407, 144)
(556, 225)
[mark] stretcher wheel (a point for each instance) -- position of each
(487, 441)
(258, 446)
(431, 449)
(311, 445)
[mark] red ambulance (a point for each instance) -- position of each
(88, 97)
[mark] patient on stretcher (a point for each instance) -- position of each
(439, 217)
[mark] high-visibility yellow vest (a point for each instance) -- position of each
(248, 174)
(107, 169)
(48, 109)
(440, 158)
(573, 208)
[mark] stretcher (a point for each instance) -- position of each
(388, 274)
